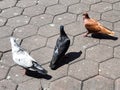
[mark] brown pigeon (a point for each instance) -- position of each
(94, 26)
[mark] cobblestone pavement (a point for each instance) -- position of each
(94, 64)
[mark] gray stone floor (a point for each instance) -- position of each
(36, 24)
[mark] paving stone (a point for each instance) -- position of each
(34, 42)
(64, 18)
(33, 84)
(75, 28)
(110, 68)
(42, 55)
(117, 84)
(5, 44)
(98, 83)
(2, 21)
(47, 2)
(26, 3)
(48, 30)
(66, 83)
(79, 8)
(68, 2)
(111, 16)
(117, 26)
(98, 53)
(34, 10)
(17, 75)
(11, 12)
(52, 41)
(116, 6)
(84, 42)
(3, 70)
(7, 3)
(25, 31)
(18, 21)
(56, 9)
(83, 69)
(90, 1)
(7, 59)
(101, 7)
(7, 85)
(41, 20)
(110, 1)
(111, 42)
(5, 31)
(107, 24)
(117, 52)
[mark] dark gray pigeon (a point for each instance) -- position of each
(23, 59)
(62, 45)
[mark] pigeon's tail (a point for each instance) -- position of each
(39, 68)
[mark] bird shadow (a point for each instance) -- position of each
(35, 74)
(104, 36)
(69, 57)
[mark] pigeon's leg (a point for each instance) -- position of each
(86, 34)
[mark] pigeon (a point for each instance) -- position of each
(23, 59)
(61, 47)
(94, 26)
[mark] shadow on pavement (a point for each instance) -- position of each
(35, 74)
(69, 57)
(103, 36)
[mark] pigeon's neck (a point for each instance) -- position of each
(14, 46)
(62, 32)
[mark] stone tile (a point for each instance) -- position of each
(117, 52)
(7, 59)
(17, 75)
(25, 31)
(7, 3)
(83, 69)
(98, 83)
(111, 42)
(68, 2)
(41, 20)
(47, 2)
(56, 9)
(117, 84)
(26, 3)
(110, 68)
(48, 30)
(5, 44)
(84, 42)
(5, 31)
(79, 8)
(34, 10)
(11, 12)
(90, 1)
(65, 18)
(111, 16)
(66, 83)
(99, 53)
(18, 21)
(3, 70)
(117, 26)
(101, 7)
(42, 55)
(2, 21)
(110, 1)
(34, 42)
(7, 85)
(33, 84)
(116, 6)
(52, 41)
(75, 28)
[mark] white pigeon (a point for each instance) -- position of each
(23, 59)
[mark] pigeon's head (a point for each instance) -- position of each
(85, 15)
(12, 39)
(61, 27)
